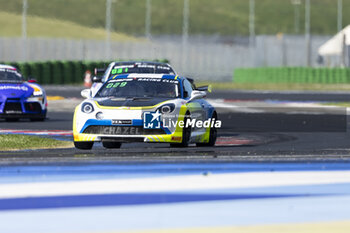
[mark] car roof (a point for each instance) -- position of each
(140, 62)
(137, 75)
(3, 66)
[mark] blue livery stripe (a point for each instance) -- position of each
(135, 122)
(126, 199)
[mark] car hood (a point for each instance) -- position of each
(130, 102)
(10, 90)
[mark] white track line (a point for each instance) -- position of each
(174, 183)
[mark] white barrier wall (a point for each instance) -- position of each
(206, 60)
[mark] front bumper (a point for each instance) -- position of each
(88, 129)
(21, 109)
(102, 130)
(165, 138)
(23, 115)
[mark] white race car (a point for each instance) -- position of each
(145, 108)
(129, 67)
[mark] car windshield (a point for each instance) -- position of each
(8, 75)
(141, 68)
(140, 88)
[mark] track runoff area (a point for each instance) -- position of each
(231, 188)
(176, 197)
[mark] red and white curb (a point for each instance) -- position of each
(234, 141)
(38, 132)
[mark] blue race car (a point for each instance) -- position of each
(20, 99)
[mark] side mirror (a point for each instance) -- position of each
(197, 95)
(205, 88)
(97, 79)
(86, 93)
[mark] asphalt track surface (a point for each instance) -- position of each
(283, 95)
(271, 142)
(295, 171)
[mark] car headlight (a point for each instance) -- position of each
(37, 93)
(87, 108)
(167, 108)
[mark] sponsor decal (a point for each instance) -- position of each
(122, 130)
(19, 88)
(13, 112)
(121, 122)
(163, 67)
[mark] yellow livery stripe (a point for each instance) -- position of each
(322, 227)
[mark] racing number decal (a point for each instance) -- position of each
(114, 85)
(110, 85)
(119, 71)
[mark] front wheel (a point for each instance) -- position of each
(212, 135)
(83, 145)
(11, 119)
(41, 118)
(186, 134)
(111, 145)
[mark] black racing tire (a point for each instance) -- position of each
(41, 118)
(11, 119)
(212, 136)
(111, 145)
(83, 145)
(186, 134)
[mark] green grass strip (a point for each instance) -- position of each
(10, 142)
(338, 104)
(275, 86)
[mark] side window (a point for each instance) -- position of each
(187, 88)
(106, 74)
